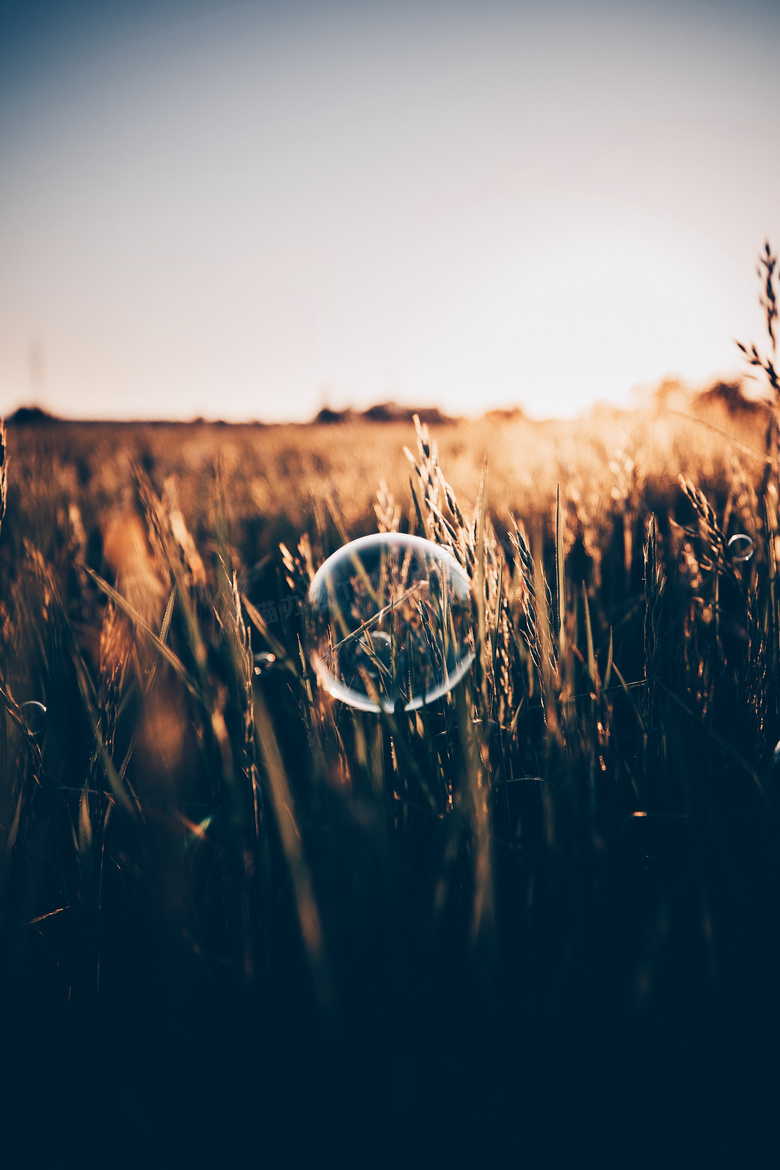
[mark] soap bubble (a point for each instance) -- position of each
(388, 619)
(34, 717)
(264, 661)
(741, 546)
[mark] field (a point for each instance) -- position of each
(244, 924)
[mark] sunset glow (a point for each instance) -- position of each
(242, 212)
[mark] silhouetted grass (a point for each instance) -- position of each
(243, 924)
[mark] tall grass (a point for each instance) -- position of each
(536, 918)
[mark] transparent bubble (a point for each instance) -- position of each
(34, 714)
(741, 547)
(264, 661)
(388, 619)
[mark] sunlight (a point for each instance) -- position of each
(594, 323)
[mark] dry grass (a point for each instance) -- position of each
(240, 921)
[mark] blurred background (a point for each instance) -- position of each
(253, 210)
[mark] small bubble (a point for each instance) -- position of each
(34, 717)
(388, 620)
(264, 661)
(742, 547)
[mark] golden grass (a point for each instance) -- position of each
(254, 905)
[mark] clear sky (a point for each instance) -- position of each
(247, 210)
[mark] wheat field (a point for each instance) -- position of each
(243, 923)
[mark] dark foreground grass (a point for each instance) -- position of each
(244, 925)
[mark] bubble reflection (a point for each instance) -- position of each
(388, 620)
(34, 714)
(264, 661)
(741, 547)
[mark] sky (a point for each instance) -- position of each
(251, 210)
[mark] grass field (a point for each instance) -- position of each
(243, 924)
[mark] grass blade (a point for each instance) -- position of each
(559, 573)
(170, 657)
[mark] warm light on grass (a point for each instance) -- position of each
(241, 918)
